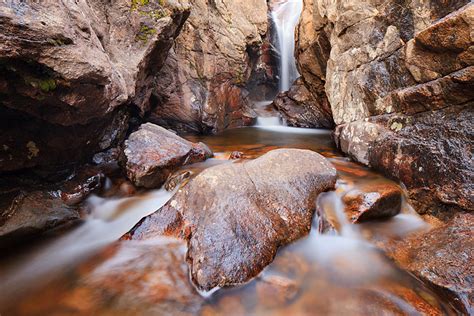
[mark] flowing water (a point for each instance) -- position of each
(333, 271)
(285, 16)
(338, 272)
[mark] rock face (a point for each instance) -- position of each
(443, 256)
(235, 216)
(201, 88)
(375, 201)
(152, 153)
(69, 70)
(32, 213)
(394, 74)
(434, 163)
(299, 108)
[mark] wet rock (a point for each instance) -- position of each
(432, 162)
(177, 179)
(273, 291)
(236, 155)
(299, 108)
(392, 77)
(68, 73)
(110, 156)
(129, 278)
(25, 214)
(443, 257)
(152, 153)
(235, 216)
(81, 191)
(374, 201)
(203, 85)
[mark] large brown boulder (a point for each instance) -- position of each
(443, 257)
(235, 216)
(202, 87)
(68, 70)
(152, 153)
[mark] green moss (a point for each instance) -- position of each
(145, 33)
(239, 78)
(47, 85)
(139, 3)
(154, 11)
(44, 84)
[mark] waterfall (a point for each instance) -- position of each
(285, 16)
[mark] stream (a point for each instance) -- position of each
(332, 273)
(338, 269)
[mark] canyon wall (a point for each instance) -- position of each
(71, 71)
(202, 87)
(73, 74)
(398, 77)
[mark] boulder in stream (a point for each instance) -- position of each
(236, 215)
(374, 201)
(152, 153)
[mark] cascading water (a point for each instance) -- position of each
(285, 16)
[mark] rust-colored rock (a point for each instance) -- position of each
(26, 214)
(128, 278)
(300, 108)
(433, 163)
(376, 201)
(152, 153)
(443, 257)
(236, 215)
(218, 55)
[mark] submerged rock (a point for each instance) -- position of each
(152, 153)
(128, 278)
(443, 257)
(374, 201)
(235, 216)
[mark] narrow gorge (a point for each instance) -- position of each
(218, 157)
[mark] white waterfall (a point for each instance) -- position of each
(285, 16)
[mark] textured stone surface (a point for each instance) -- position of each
(399, 80)
(31, 213)
(235, 216)
(66, 70)
(152, 153)
(375, 201)
(434, 163)
(202, 86)
(299, 108)
(443, 256)
(369, 55)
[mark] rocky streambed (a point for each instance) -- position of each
(218, 242)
